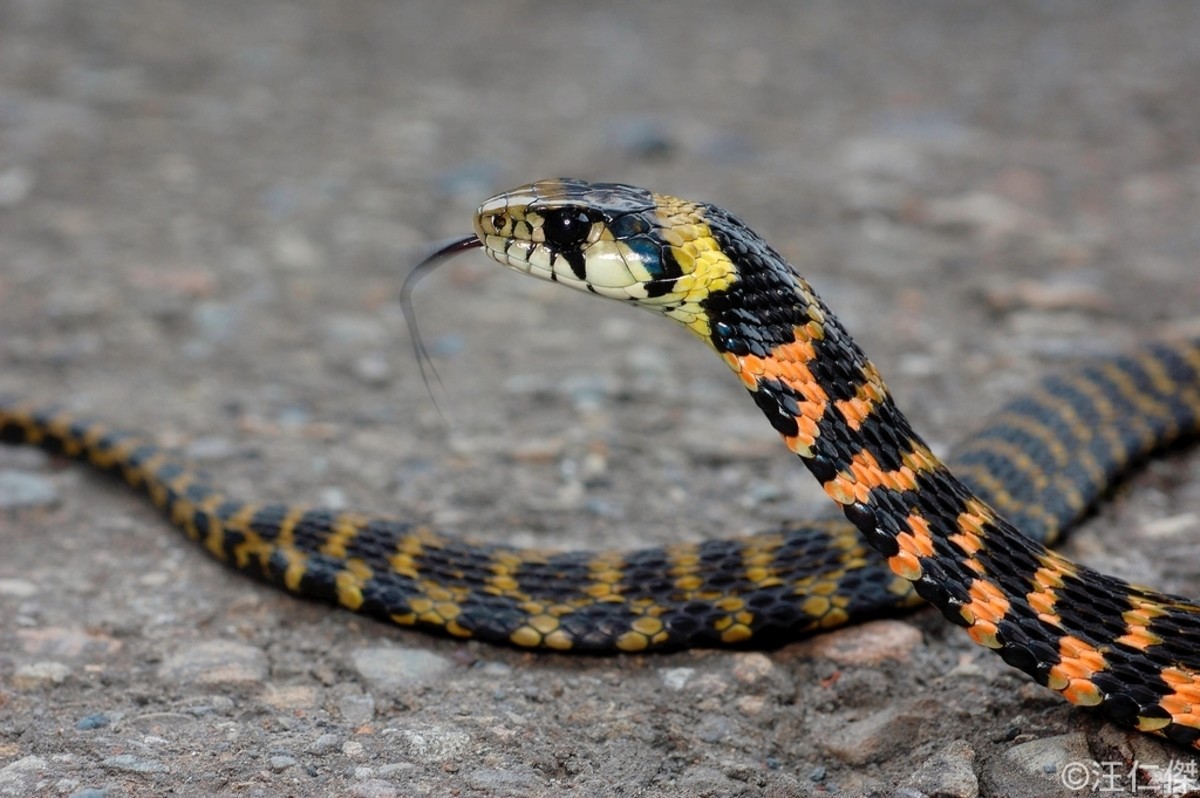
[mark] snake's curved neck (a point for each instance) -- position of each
(1070, 628)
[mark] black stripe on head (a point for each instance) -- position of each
(576, 260)
(667, 275)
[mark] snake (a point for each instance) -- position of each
(968, 535)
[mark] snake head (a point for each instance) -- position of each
(658, 252)
(609, 239)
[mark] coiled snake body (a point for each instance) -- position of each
(946, 535)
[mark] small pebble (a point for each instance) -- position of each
(978, 212)
(292, 250)
(23, 489)
(868, 644)
(354, 750)
(216, 322)
(357, 709)
(447, 345)
(40, 675)
(949, 773)
(127, 763)
(281, 763)
(97, 721)
(1038, 766)
(883, 734)
(333, 497)
(355, 332)
(374, 369)
(588, 391)
(494, 781)
(15, 185)
(431, 743)
(21, 777)
(296, 696)
(713, 728)
(66, 642)
(374, 788)
(761, 493)
(494, 669)
(159, 722)
(751, 667)
(676, 678)
(390, 667)
(210, 449)
(882, 156)
(751, 705)
(215, 662)
(17, 588)
(325, 744)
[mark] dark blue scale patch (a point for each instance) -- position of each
(320, 577)
(198, 492)
(313, 528)
(79, 427)
(266, 521)
(168, 471)
(491, 618)
(229, 508)
(375, 542)
(557, 579)
(138, 457)
(636, 232)
(200, 520)
(595, 627)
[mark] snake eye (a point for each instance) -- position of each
(566, 227)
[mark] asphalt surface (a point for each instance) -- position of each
(206, 211)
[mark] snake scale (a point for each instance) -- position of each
(916, 528)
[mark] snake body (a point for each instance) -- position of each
(945, 534)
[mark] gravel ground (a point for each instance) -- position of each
(206, 210)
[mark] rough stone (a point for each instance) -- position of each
(22, 489)
(39, 675)
(20, 778)
(867, 644)
(215, 662)
(128, 763)
(1061, 765)
(949, 773)
(882, 734)
(392, 667)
